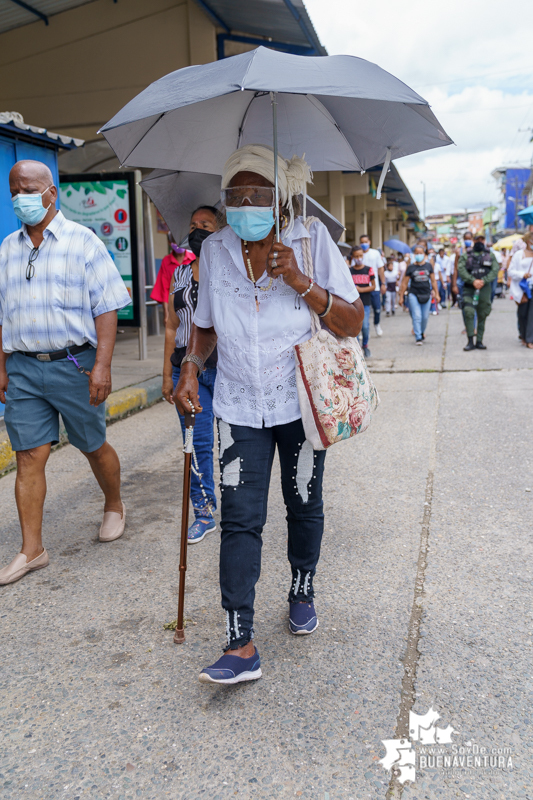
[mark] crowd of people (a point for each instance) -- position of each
(425, 280)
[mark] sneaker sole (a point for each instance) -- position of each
(302, 632)
(244, 676)
(199, 539)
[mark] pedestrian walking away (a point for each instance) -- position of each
(478, 268)
(392, 271)
(450, 268)
(373, 258)
(364, 279)
(254, 300)
(441, 272)
(521, 275)
(181, 307)
(59, 296)
(420, 278)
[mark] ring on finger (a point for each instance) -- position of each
(274, 262)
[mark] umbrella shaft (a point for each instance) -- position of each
(276, 178)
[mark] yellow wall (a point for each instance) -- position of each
(76, 73)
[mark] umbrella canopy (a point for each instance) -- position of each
(177, 194)
(527, 215)
(398, 245)
(341, 112)
(506, 242)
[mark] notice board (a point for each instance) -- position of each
(105, 203)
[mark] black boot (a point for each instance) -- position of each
(480, 345)
(470, 345)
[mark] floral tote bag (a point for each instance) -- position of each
(336, 393)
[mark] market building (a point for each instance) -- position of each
(93, 56)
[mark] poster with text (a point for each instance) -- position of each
(104, 206)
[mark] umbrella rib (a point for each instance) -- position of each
(142, 137)
(243, 120)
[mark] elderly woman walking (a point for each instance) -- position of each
(253, 303)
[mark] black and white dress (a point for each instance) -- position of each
(185, 296)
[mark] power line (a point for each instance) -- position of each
(476, 77)
(492, 108)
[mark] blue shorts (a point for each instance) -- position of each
(39, 391)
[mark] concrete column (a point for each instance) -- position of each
(376, 234)
(336, 197)
(360, 216)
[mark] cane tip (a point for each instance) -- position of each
(179, 636)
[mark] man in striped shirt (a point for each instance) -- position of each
(59, 295)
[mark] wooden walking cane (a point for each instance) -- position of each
(179, 635)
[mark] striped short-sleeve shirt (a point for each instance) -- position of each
(75, 281)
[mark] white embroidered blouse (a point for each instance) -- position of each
(256, 381)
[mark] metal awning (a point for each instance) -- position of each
(16, 13)
(281, 24)
(12, 124)
(396, 191)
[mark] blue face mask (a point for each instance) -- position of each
(365, 246)
(468, 242)
(251, 224)
(419, 257)
(29, 208)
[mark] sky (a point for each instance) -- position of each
(471, 60)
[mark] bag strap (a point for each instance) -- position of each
(310, 271)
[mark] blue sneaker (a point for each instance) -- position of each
(198, 529)
(302, 618)
(232, 669)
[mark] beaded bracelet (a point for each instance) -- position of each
(311, 284)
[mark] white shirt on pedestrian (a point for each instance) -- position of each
(373, 258)
(391, 275)
(450, 266)
(256, 372)
(441, 267)
(75, 280)
(520, 265)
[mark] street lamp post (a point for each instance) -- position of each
(424, 200)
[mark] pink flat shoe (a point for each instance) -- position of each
(113, 525)
(20, 566)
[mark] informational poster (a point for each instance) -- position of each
(105, 204)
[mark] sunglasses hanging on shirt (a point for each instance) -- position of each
(30, 269)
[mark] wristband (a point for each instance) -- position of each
(311, 284)
(328, 306)
(195, 360)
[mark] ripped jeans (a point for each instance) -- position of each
(246, 456)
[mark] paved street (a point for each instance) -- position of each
(423, 595)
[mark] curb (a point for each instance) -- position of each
(118, 405)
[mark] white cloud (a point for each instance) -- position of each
(470, 61)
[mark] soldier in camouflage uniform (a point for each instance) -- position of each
(478, 268)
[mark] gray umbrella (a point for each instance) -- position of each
(341, 112)
(177, 194)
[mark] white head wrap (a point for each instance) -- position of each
(293, 175)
